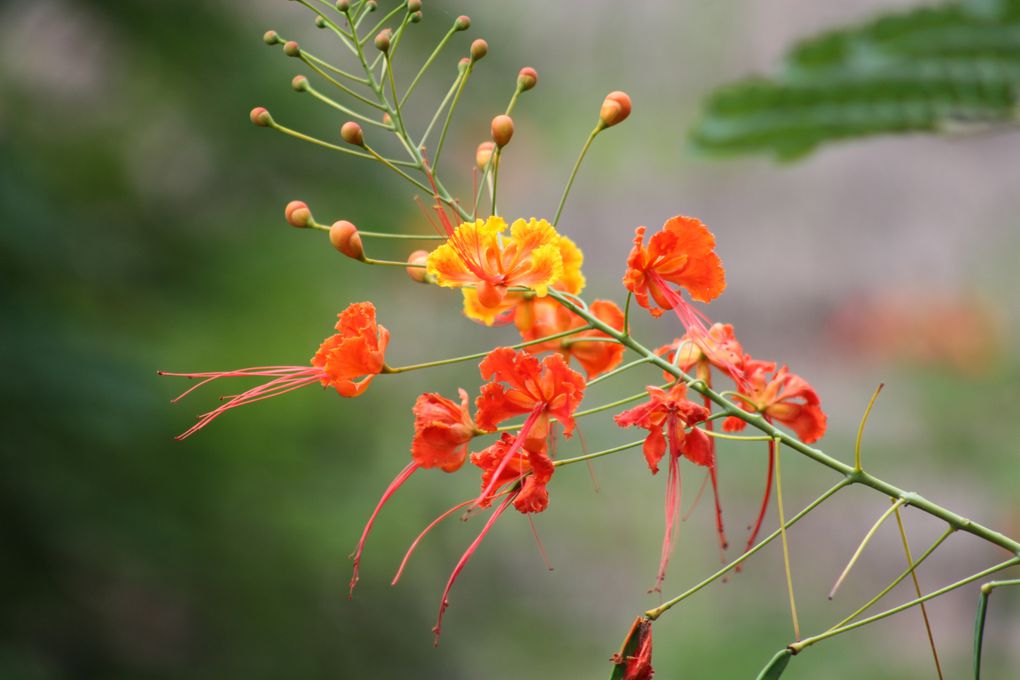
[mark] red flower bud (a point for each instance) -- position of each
(502, 130)
(291, 48)
(527, 78)
(260, 116)
(615, 108)
(386, 119)
(484, 154)
(351, 133)
(413, 6)
(479, 48)
(297, 214)
(417, 273)
(382, 40)
(271, 38)
(345, 237)
(299, 83)
(463, 64)
(462, 23)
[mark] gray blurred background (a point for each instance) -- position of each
(143, 230)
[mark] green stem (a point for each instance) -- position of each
(573, 174)
(439, 111)
(479, 355)
(798, 647)
(979, 622)
(616, 371)
(336, 83)
(860, 549)
(344, 36)
(917, 584)
(666, 606)
(393, 263)
(860, 428)
(428, 62)
(598, 454)
(626, 316)
(412, 237)
(495, 177)
(786, 547)
(382, 22)
(449, 114)
(343, 109)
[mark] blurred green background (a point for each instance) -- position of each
(143, 230)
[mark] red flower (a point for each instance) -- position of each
(355, 351)
(682, 253)
(442, 430)
(534, 468)
(718, 347)
(676, 413)
(541, 317)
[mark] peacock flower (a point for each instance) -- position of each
(718, 348)
(543, 317)
(673, 412)
(533, 469)
(480, 254)
(347, 361)
(571, 281)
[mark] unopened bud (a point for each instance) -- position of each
(320, 22)
(462, 23)
(271, 38)
(483, 155)
(615, 108)
(260, 116)
(382, 40)
(418, 257)
(343, 5)
(502, 130)
(387, 120)
(417, 17)
(372, 5)
(527, 78)
(297, 214)
(413, 6)
(291, 48)
(345, 237)
(463, 64)
(479, 48)
(351, 133)
(299, 83)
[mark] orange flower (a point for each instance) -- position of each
(442, 430)
(534, 467)
(355, 351)
(543, 317)
(682, 253)
(480, 254)
(570, 281)
(674, 412)
(718, 347)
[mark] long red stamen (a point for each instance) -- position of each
(538, 541)
(591, 466)
(518, 442)
(712, 471)
(394, 485)
(444, 602)
(697, 498)
(765, 500)
(672, 509)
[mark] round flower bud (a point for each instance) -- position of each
(351, 133)
(462, 23)
(345, 238)
(291, 48)
(615, 108)
(271, 38)
(463, 64)
(479, 48)
(417, 17)
(299, 83)
(343, 5)
(372, 5)
(387, 120)
(417, 273)
(260, 116)
(382, 40)
(527, 78)
(297, 214)
(484, 154)
(320, 22)
(502, 130)
(413, 6)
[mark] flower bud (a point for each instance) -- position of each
(479, 48)
(271, 38)
(297, 214)
(417, 17)
(527, 78)
(417, 273)
(382, 40)
(502, 130)
(463, 64)
(483, 155)
(462, 23)
(615, 108)
(387, 120)
(413, 6)
(351, 133)
(260, 116)
(299, 83)
(372, 5)
(345, 237)
(291, 48)
(320, 22)
(343, 5)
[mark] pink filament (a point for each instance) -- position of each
(538, 541)
(394, 485)
(712, 471)
(444, 601)
(672, 509)
(522, 434)
(697, 497)
(430, 527)
(284, 379)
(765, 500)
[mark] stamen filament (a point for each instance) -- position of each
(917, 585)
(860, 432)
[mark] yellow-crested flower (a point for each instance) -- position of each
(571, 281)
(481, 254)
